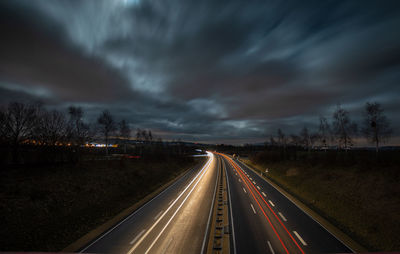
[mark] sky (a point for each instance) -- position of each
(204, 71)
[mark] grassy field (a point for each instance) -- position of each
(47, 208)
(365, 204)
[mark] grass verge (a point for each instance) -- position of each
(47, 208)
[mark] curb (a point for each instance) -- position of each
(336, 232)
(97, 232)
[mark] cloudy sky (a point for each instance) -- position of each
(207, 71)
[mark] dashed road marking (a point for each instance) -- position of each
(270, 247)
(137, 237)
(158, 215)
(244, 190)
(258, 187)
(301, 239)
(264, 194)
(283, 217)
(252, 207)
(271, 203)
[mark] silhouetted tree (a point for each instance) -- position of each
(313, 139)
(19, 122)
(376, 125)
(282, 139)
(107, 126)
(343, 127)
(272, 141)
(145, 136)
(78, 132)
(51, 128)
(324, 132)
(305, 138)
(124, 132)
(138, 134)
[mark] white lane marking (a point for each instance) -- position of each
(283, 217)
(137, 237)
(301, 239)
(198, 178)
(271, 203)
(270, 247)
(158, 215)
(252, 207)
(264, 194)
(254, 182)
(251, 178)
(173, 215)
(170, 202)
(244, 190)
(258, 187)
(240, 180)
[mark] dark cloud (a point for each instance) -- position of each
(36, 52)
(205, 70)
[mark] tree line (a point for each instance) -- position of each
(32, 125)
(340, 131)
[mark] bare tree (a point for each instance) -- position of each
(51, 128)
(376, 125)
(272, 141)
(145, 136)
(343, 127)
(281, 138)
(324, 132)
(78, 131)
(305, 138)
(138, 134)
(107, 126)
(313, 139)
(19, 121)
(124, 132)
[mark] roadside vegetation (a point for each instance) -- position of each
(62, 176)
(45, 208)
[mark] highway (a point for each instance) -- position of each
(265, 221)
(175, 221)
(261, 219)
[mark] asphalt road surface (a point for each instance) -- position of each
(262, 220)
(265, 221)
(175, 221)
